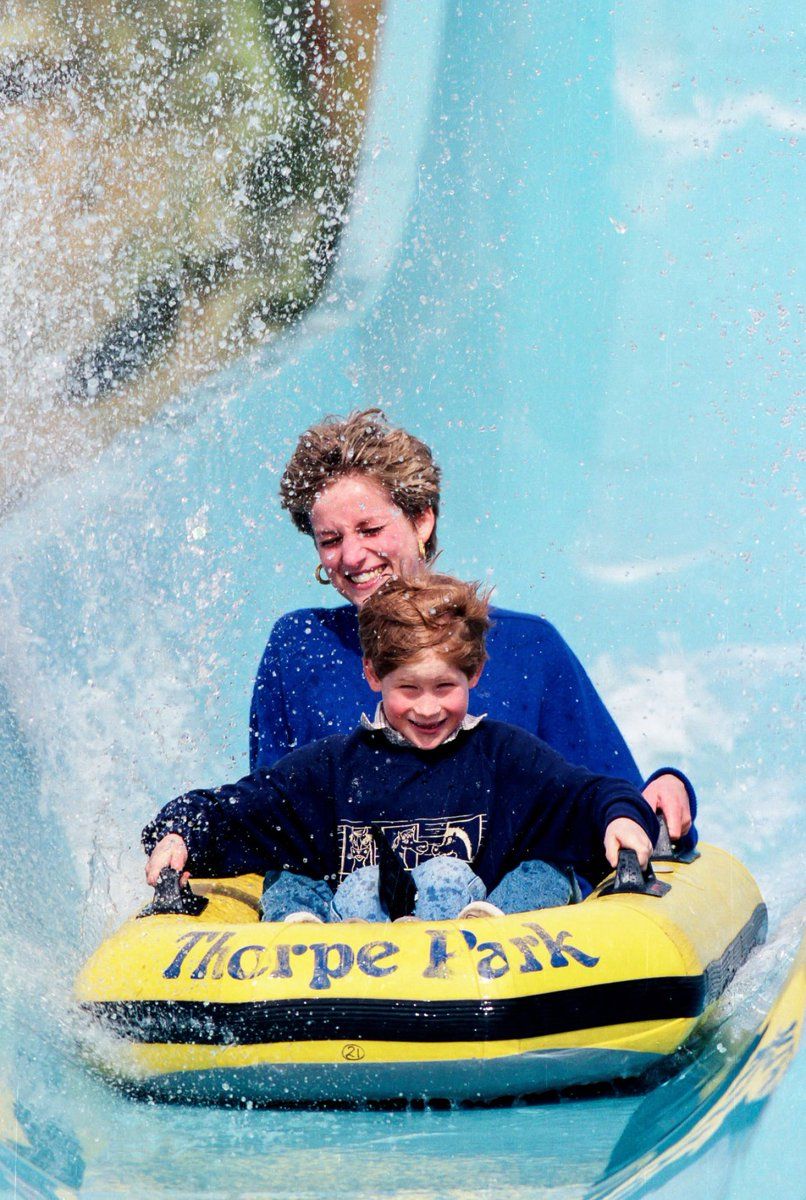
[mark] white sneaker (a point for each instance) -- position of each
(479, 908)
(302, 918)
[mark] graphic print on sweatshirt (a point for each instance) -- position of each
(413, 841)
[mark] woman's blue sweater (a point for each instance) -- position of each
(310, 685)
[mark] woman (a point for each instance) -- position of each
(368, 495)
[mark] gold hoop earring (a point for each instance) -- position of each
(318, 575)
(421, 547)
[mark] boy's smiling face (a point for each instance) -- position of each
(425, 699)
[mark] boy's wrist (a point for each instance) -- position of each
(640, 813)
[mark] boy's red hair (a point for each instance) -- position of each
(413, 613)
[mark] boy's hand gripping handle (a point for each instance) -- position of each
(171, 898)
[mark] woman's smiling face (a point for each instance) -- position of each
(363, 537)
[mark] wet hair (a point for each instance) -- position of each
(363, 443)
(413, 613)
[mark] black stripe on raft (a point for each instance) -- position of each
(325, 1019)
(191, 1022)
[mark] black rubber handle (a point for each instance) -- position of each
(666, 850)
(631, 878)
(170, 898)
(663, 846)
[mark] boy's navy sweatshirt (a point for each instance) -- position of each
(494, 796)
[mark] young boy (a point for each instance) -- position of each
(423, 810)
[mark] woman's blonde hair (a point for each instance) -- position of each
(363, 443)
(413, 613)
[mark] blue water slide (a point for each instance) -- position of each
(572, 266)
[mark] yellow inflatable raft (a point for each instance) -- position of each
(221, 1007)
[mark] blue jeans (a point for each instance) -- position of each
(444, 886)
(535, 884)
(284, 893)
